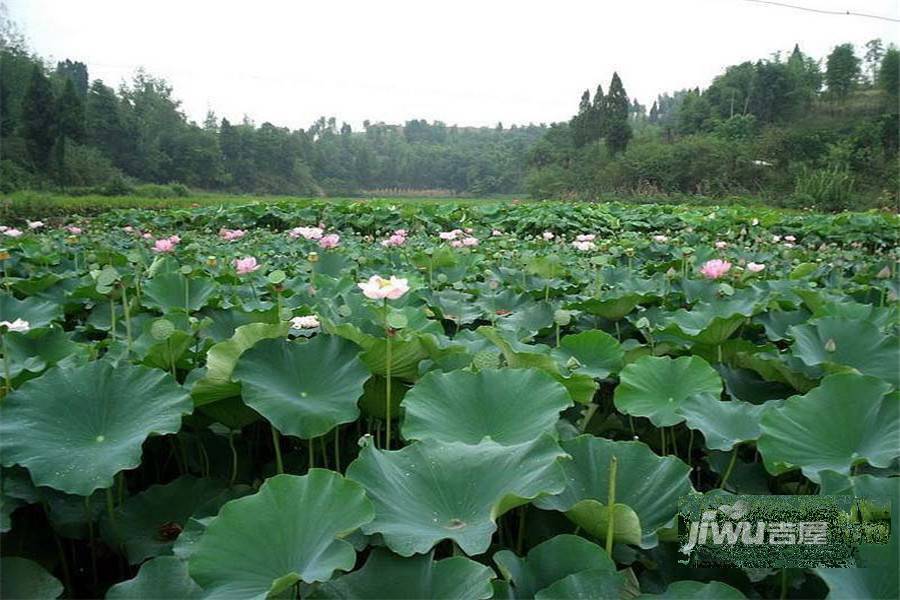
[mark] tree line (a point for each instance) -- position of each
(789, 128)
(792, 128)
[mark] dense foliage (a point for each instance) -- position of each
(227, 402)
(765, 128)
(789, 130)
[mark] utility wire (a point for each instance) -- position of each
(826, 12)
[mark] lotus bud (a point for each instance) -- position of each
(885, 273)
(830, 346)
(313, 257)
(4, 254)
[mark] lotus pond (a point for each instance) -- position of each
(377, 400)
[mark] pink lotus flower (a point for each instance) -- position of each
(163, 245)
(309, 322)
(548, 235)
(174, 239)
(585, 237)
(245, 265)
(790, 238)
(309, 233)
(401, 232)
(147, 235)
(721, 245)
(584, 245)
(470, 241)
(450, 235)
(755, 267)
(456, 244)
(19, 325)
(661, 238)
(73, 230)
(12, 232)
(3, 228)
(496, 233)
(378, 288)
(713, 269)
(128, 229)
(332, 240)
(35, 224)
(776, 238)
(229, 235)
(394, 240)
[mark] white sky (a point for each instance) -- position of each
(465, 62)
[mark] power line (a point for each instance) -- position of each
(826, 12)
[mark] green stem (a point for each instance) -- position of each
(337, 449)
(8, 380)
(690, 446)
(728, 470)
(520, 534)
(588, 415)
(674, 441)
(611, 505)
(127, 312)
(112, 318)
(387, 401)
(234, 459)
(89, 517)
(311, 442)
(276, 443)
(784, 584)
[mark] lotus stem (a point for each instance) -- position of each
(611, 504)
(337, 449)
(127, 312)
(387, 400)
(6, 377)
(276, 443)
(112, 319)
(729, 469)
(89, 517)
(311, 445)
(674, 441)
(234, 459)
(520, 534)
(690, 446)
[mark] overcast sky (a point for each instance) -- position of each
(464, 62)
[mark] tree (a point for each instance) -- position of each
(618, 129)
(654, 113)
(889, 75)
(841, 71)
(39, 118)
(581, 123)
(874, 54)
(598, 114)
(70, 114)
(105, 130)
(76, 72)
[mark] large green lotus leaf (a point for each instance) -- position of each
(550, 562)
(386, 575)
(162, 577)
(749, 386)
(592, 584)
(430, 491)
(287, 532)
(26, 580)
(777, 322)
(149, 522)
(596, 353)
(722, 423)
(41, 348)
(613, 309)
(714, 322)
(588, 479)
(167, 291)
(304, 389)
(454, 305)
(848, 342)
(697, 590)
(509, 406)
(580, 385)
(849, 419)
(74, 429)
(221, 359)
(38, 313)
(655, 387)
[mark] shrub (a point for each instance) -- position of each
(828, 189)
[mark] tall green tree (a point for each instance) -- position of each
(618, 129)
(842, 71)
(581, 122)
(76, 72)
(874, 54)
(889, 75)
(39, 118)
(598, 114)
(103, 120)
(70, 114)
